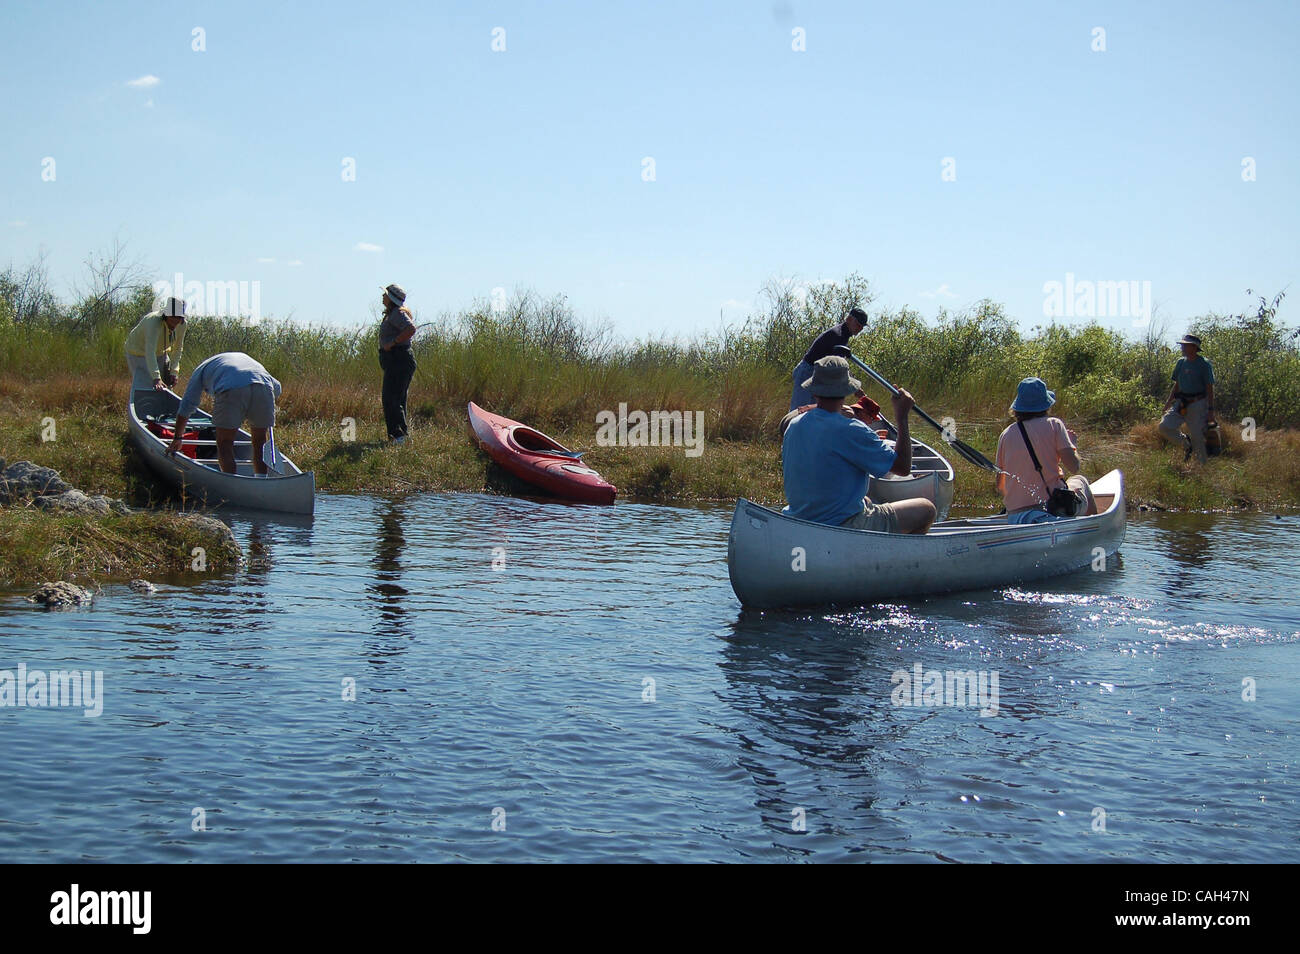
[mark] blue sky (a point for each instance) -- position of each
(478, 169)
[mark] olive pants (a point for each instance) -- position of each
(1171, 427)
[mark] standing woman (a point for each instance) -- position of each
(395, 334)
(159, 334)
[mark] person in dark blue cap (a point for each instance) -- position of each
(1026, 489)
(832, 341)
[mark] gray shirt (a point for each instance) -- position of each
(395, 323)
(224, 372)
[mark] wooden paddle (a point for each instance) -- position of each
(961, 447)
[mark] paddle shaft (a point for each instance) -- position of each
(893, 390)
(961, 447)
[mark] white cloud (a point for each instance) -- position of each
(943, 291)
(267, 261)
(296, 261)
(147, 81)
(367, 247)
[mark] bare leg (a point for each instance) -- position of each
(226, 448)
(259, 442)
(914, 515)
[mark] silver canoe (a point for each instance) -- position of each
(294, 492)
(777, 560)
(931, 478)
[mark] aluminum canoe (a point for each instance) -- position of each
(775, 560)
(202, 479)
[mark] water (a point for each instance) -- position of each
(525, 689)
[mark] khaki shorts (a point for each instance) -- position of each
(253, 402)
(880, 517)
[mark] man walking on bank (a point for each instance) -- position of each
(824, 345)
(1191, 401)
(395, 334)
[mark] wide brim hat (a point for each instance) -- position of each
(1032, 396)
(830, 378)
(396, 292)
(1190, 339)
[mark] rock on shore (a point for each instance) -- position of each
(22, 480)
(59, 595)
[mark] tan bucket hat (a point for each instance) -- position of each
(830, 378)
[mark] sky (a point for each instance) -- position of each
(658, 163)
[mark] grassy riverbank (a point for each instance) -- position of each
(42, 546)
(91, 452)
(533, 360)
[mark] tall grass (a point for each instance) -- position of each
(535, 360)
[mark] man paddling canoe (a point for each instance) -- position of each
(827, 458)
(826, 344)
(241, 390)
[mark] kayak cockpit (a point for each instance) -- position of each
(535, 442)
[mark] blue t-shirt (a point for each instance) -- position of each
(826, 458)
(223, 372)
(1193, 377)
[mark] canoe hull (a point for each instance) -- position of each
(777, 561)
(931, 478)
(559, 474)
(293, 493)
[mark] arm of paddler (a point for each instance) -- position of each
(903, 402)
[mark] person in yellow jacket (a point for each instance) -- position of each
(159, 334)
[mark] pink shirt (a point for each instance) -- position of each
(1050, 437)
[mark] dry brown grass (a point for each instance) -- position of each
(92, 453)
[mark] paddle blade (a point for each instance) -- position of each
(269, 455)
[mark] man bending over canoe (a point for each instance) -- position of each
(827, 458)
(241, 390)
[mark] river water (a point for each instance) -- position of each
(542, 681)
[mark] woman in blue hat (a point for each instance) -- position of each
(1037, 455)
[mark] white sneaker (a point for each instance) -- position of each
(399, 439)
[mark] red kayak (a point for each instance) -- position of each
(533, 457)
